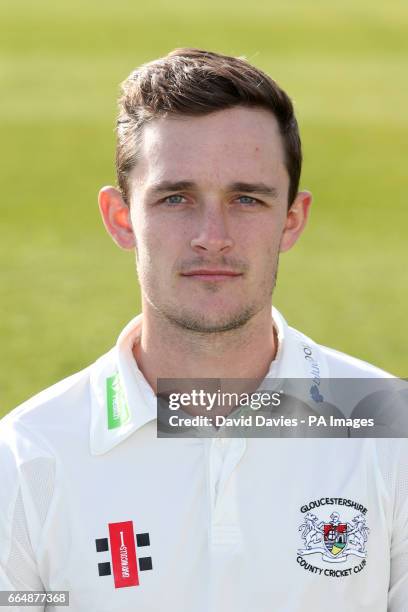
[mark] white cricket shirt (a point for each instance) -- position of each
(92, 502)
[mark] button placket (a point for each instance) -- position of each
(225, 454)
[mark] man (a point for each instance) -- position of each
(92, 502)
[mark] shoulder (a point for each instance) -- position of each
(301, 356)
(46, 407)
(38, 440)
(346, 366)
(30, 436)
(334, 363)
(58, 412)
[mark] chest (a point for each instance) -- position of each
(222, 525)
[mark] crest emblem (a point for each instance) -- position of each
(334, 540)
(335, 535)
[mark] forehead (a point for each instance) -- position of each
(238, 143)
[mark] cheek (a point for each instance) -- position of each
(146, 235)
(158, 251)
(263, 243)
(163, 237)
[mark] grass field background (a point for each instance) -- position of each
(66, 290)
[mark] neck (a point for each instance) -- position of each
(166, 350)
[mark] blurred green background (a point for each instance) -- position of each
(66, 290)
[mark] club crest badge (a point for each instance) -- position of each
(333, 539)
(335, 535)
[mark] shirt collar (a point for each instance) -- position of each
(122, 401)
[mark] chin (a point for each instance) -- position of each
(200, 322)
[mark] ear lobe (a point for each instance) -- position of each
(116, 217)
(296, 220)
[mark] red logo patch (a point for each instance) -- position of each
(123, 551)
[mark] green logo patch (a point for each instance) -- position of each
(118, 411)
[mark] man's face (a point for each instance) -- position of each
(208, 209)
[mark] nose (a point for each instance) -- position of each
(212, 233)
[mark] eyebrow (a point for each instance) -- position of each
(164, 186)
(255, 188)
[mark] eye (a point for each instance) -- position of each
(173, 200)
(248, 201)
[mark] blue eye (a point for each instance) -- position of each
(247, 200)
(174, 199)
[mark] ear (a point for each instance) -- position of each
(295, 220)
(116, 217)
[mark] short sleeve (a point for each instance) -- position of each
(393, 461)
(18, 568)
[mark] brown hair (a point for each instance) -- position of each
(196, 82)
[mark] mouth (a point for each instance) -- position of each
(212, 275)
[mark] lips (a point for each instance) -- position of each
(212, 274)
